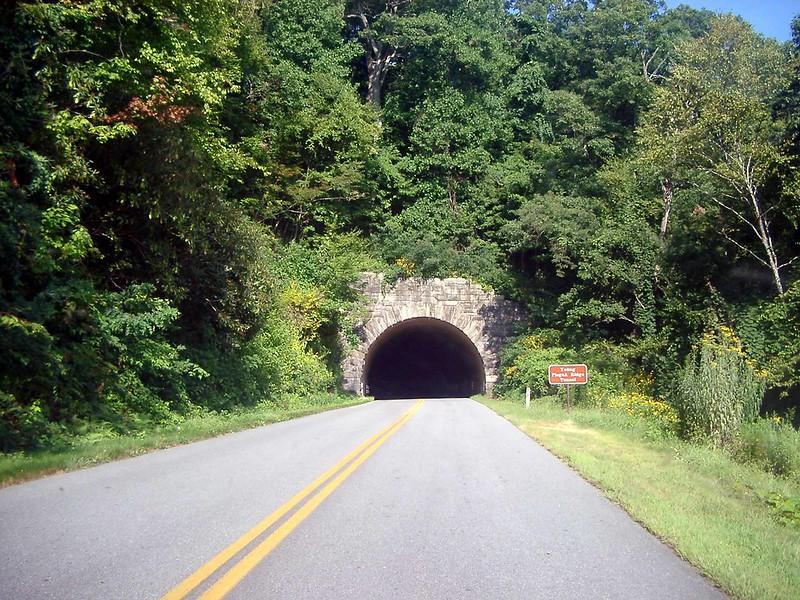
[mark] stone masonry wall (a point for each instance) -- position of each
(487, 319)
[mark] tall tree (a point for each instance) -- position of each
(713, 123)
(317, 142)
(373, 23)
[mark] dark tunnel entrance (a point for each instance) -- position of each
(423, 358)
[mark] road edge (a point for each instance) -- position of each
(131, 445)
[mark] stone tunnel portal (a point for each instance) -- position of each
(423, 358)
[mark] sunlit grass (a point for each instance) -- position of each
(709, 508)
(93, 449)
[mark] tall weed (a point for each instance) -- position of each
(771, 443)
(719, 390)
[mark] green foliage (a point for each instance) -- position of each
(712, 128)
(23, 425)
(28, 350)
(316, 277)
(189, 191)
(773, 444)
(434, 253)
(718, 390)
(785, 508)
(660, 418)
(610, 257)
(605, 60)
(316, 143)
(524, 363)
(770, 331)
(271, 367)
(613, 381)
(149, 374)
(148, 148)
(611, 372)
(559, 225)
(105, 357)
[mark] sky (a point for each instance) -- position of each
(770, 17)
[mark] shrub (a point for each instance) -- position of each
(147, 372)
(29, 368)
(314, 280)
(785, 508)
(22, 424)
(271, 367)
(303, 305)
(102, 356)
(430, 240)
(719, 389)
(609, 372)
(772, 444)
(769, 331)
(661, 418)
(524, 363)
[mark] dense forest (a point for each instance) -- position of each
(190, 187)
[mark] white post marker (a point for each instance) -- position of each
(527, 397)
(568, 375)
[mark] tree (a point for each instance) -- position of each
(611, 53)
(302, 119)
(371, 21)
(447, 110)
(712, 123)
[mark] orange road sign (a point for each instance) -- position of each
(567, 374)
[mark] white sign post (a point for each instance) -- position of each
(527, 397)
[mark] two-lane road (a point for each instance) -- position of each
(393, 499)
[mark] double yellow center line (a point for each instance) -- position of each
(329, 481)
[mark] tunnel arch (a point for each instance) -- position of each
(423, 357)
(485, 318)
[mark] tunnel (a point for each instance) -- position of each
(423, 358)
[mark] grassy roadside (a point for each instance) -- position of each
(91, 450)
(712, 510)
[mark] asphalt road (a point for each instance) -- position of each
(453, 502)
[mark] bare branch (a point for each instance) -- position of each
(786, 264)
(729, 208)
(741, 247)
(639, 301)
(650, 75)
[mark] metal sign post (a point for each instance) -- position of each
(568, 375)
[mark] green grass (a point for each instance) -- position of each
(94, 448)
(711, 509)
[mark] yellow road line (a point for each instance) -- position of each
(200, 575)
(228, 581)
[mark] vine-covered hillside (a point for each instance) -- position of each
(189, 188)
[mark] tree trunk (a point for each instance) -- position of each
(376, 73)
(759, 224)
(378, 63)
(666, 187)
(11, 168)
(379, 55)
(766, 240)
(761, 227)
